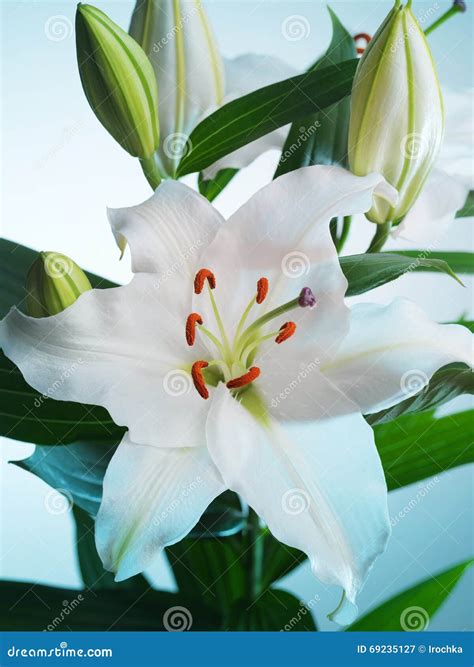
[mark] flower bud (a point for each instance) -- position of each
(178, 40)
(53, 283)
(118, 81)
(397, 115)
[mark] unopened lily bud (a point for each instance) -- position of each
(397, 116)
(118, 81)
(53, 283)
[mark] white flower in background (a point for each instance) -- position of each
(193, 79)
(276, 370)
(448, 186)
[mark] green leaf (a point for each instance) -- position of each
(418, 446)
(469, 324)
(224, 517)
(460, 262)
(213, 187)
(278, 559)
(467, 211)
(243, 120)
(28, 606)
(27, 415)
(447, 383)
(412, 609)
(366, 272)
(212, 569)
(322, 137)
(273, 611)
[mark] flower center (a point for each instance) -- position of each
(234, 360)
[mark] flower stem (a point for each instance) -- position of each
(380, 237)
(151, 171)
(455, 9)
(346, 225)
(255, 545)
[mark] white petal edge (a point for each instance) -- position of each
(391, 352)
(318, 488)
(167, 232)
(152, 498)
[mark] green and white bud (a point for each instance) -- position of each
(397, 116)
(118, 81)
(53, 283)
(178, 40)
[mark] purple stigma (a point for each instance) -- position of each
(460, 5)
(307, 298)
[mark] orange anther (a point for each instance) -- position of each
(198, 378)
(286, 331)
(262, 290)
(251, 375)
(201, 276)
(366, 37)
(191, 322)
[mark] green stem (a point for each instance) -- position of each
(255, 545)
(253, 328)
(455, 9)
(346, 225)
(151, 171)
(380, 237)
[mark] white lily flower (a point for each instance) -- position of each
(235, 363)
(193, 79)
(448, 186)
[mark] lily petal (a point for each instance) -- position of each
(320, 487)
(391, 352)
(152, 498)
(168, 232)
(243, 75)
(116, 348)
(282, 233)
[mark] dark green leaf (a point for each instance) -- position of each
(278, 559)
(412, 609)
(460, 262)
(273, 611)
(212, 569)
(243, 120)
(446, 384)
(29, 416)
(467, 211)
(224, 517)
(92, 571)
(15, 260)
(322, 137)
(417, 446)
(366, 272)
(213, 187)
(28, 606)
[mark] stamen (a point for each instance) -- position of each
(201, 276)
(191, 322)
(262, 290)
(286, 331)
(198, 378)
(366, 37)
(251, 375)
